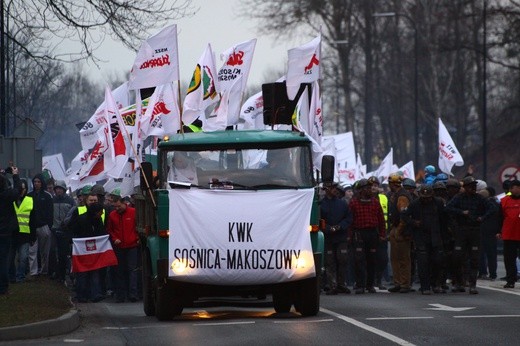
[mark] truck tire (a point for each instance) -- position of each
(167, 306)
(282, 300)
(308, 297)
(148, 296)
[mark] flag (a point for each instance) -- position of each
(385, 168)
(408, 170)
(203, 89)
(345, 155)
(162, 116)
(232, 80)
(361, 169)
(303, 65)
(93, 160)
(87, 134)
(448, 153)
(92, 253)
(252, 112)
(237, 63)
(157, 61)
(225, 109)
(117, 147)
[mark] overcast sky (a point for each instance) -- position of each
(217, 23)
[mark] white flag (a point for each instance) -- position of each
(87, 134)
(385, 168)
(252, 112)
(203, 89)
(227, 110)
(448, 152)
(237, 63)
(117, 146)
(157, 61)
(162, 114)
(303, 65)
(408, 170)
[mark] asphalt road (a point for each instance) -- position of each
(490, 318)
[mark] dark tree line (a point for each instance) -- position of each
(370, 52)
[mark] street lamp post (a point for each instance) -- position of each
(415, 82)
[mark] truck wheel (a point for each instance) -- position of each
(148, 297)
(167, 306)
(282, 300)
(308, 298)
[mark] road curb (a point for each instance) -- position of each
(61, 325)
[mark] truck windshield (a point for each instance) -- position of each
(238, 169)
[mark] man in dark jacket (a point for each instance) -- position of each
(8, 225)
(427, 219)
(89, 224)
(43, 217)
(469, 210)
(62, 203)
(338, 218)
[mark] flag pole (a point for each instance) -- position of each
(180, 106)
(134, 151)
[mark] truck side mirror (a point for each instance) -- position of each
(146, 172)
(327, 169)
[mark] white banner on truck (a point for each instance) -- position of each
(232, 237)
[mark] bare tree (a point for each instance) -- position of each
(51, 23)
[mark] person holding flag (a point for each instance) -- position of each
(91, 251)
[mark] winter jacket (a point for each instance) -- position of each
(511, 213)
(43, 207)
(122, 227)
(8, 220)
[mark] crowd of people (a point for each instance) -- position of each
(37, 229)
(439, 232)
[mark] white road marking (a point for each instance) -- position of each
(366, 327)
(486, 316)
(304, 321)
(399, 318)
(222, 323)
(73, 340)
(440, 307)
(498, 289)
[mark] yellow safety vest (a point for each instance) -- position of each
(83, 209)
(383, 200)
(23, 212)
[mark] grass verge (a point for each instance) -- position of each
(32, 301)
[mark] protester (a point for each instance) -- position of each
(382, 246)
(469, 210)
(429, 174)
(427, 218)
(63, 203)
(400, 236)
(25, 236)
(89, 224)
(338, 218)
(43, 218)
(511, 231)
(368, 228)
(8, 224)
(121, 227)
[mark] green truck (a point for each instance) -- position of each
(231, 213)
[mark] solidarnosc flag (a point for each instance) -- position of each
(157, 61)
(92, 253)
(448, 153)
(303, 66)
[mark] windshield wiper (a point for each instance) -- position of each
(226, 185)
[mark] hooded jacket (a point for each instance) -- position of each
(43, 206)
(8, 220)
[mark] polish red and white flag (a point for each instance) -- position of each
(92, 253)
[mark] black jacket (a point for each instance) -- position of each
(8, 220)
(43, 206)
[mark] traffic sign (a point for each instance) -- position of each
(510, 173)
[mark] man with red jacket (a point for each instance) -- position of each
(511, 231)
(121, 227)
